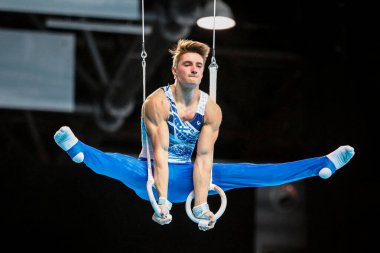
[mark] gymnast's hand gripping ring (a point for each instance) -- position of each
(222, 207)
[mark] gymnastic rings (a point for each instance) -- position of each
(221, 210)
(149, 188)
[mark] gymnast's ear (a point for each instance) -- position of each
(174, 72)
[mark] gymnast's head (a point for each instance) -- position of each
(184, 46)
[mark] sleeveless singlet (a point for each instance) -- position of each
(183, 135)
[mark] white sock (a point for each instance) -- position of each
(341, 156)
(66, 139)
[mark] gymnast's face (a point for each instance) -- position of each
(189, 69)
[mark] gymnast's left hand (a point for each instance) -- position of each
(207, 217)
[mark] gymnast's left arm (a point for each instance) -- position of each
(203, 161)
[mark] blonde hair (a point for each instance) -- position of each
(189, 46)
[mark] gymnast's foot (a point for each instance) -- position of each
(340, 157)
(66, 139)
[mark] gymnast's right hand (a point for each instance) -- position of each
(165, 207)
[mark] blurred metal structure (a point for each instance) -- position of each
(115, 9)
(37, 71)
(116, 89)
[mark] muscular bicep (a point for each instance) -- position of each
(155, 115)
(209, 132)
(206, 141)
(158, 133)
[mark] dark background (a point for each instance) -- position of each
(295, 80)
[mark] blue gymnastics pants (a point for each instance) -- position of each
(133, 172)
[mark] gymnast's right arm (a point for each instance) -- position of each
(155, 113)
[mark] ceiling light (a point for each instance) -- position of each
(223, 16)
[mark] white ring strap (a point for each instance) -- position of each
(222, 207)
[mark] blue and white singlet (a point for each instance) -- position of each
(183, 135)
